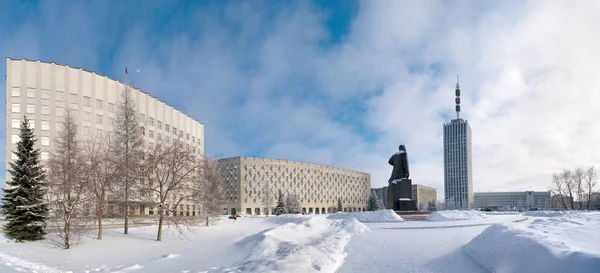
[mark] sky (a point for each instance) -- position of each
(343, 83)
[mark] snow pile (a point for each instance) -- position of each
(453, 215)
(502, 213)
(313, 245)
(547, 245)
(548, 213)
(369, 216)
(277, 220)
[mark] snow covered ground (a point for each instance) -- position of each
(338, 242)
(454, 215)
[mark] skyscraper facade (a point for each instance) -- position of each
(458, 167)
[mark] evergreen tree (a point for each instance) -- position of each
(280, 208)
(292, 204)
(339, 205)
(24, 204)
(373, 203)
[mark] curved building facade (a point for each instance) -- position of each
(253, 184)
(45, 91)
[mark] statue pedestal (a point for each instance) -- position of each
(400, 196)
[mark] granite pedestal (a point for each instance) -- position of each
(400, 196)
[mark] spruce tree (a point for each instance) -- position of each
(24, 203)
(373, 203)
(339, 205)
(280, 208)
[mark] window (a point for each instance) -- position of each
(87, 101)
(45, 155)
(45, 125)
(167, 127)
(187, 136)
(98, 118)
(181, 133)
(87, 116)
(60, 96)
(87, 131)
(99, 132)
(14, 139)
(193, 139)
(159, 136)
(46, 94)
(45, 141)
(174, 131)
(32, 124)
(45, 109)
(111, 107)
(199, 143)
(160, 125)
(168, 140)
(16, 108)
(30, 108)
(111, 121)
(14, 156)
(152, 121)
(99, 104)
(151, 134)
(16, 92)
(16, 123)
(60, 111)
(73, 98)
(31, 92)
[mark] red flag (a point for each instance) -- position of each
(126, 70)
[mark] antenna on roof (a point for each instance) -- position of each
(457, 99)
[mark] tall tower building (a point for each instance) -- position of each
(458, 168)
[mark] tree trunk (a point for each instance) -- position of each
(67, 230)
(206, 220)
(99, 228)
(160, 223)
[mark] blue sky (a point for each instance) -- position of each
(345, 82)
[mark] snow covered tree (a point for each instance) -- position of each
(373, 202)
(68, 182)
(127, 145)
(24, 203)
(280, 208)
(339, 205)
(292, 204)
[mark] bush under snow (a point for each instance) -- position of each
(369, 216)
(453, 215)
(567, 244)
(312, 245)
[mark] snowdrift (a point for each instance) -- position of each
(454, 215)
(315, 244)
(548, 213)
(555, 245)
(276, 220)
(502, 213)
(369, 216)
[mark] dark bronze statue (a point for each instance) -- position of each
(399, 197)
(400, 162)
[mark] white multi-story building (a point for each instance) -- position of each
(526, 200)
(253, 184)
(45, 91)
(458, 167)
(424, 195)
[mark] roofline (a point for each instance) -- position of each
(94, 72)
(273, 158)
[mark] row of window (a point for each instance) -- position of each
(60, 96)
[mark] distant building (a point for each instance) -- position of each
(458, 167)
(252, 183)
(421, 194)
(424, 196)
(561, 201)
(522, 200)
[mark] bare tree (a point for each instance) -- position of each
(171, 175)
(211, 196)
(67, 182)
(578, 186)
(267, 196)
(127, 148)
(591, 179)
(103, 172)
(558, 190)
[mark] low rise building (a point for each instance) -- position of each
(520, 200)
